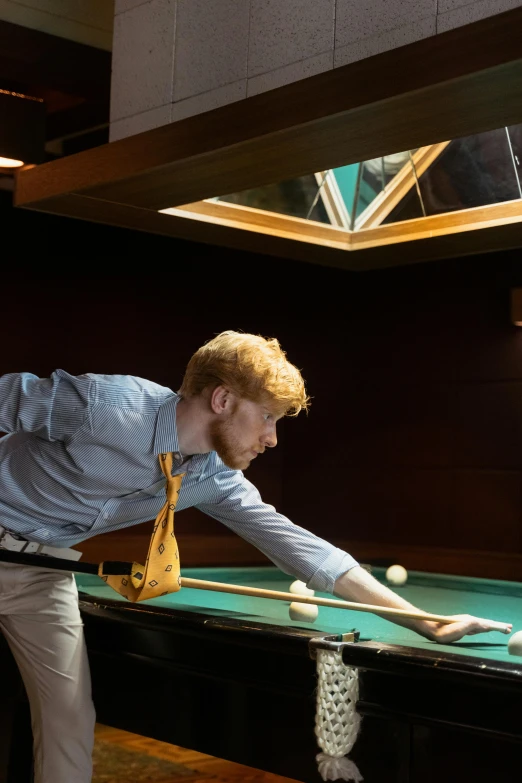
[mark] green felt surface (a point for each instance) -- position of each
(436, 593)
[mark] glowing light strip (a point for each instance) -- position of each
(10, 163)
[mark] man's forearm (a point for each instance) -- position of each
(360, 586)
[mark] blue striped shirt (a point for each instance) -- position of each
(80, 458)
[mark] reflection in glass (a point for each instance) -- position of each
(472, 171)
(294, 197)
(514, 134)
(408, 208)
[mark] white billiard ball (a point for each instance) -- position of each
(306, 613)
(515, 643)
(300, 588)
(396, 575)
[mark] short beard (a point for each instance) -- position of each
(226, 445)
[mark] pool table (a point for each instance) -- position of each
(235, 677)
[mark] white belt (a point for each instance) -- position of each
(14, 543)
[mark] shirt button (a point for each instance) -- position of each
(106, 516)
(176, 455)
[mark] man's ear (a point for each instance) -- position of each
(221, 399)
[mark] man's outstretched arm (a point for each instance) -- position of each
(359, 585)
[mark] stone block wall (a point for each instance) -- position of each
(176, 58)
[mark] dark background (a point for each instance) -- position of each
(412, 449)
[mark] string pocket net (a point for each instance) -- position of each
(337, 721)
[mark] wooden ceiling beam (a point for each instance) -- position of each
(139, 219)
(467, 80)
(341, 251)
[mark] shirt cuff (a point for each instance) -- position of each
(335, 565)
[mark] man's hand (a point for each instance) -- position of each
(463, 625)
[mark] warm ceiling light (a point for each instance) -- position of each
(516, 306)
(10, 163)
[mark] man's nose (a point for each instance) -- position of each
(270, 439)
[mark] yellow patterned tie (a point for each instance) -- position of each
(161, 573)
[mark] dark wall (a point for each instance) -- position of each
(416, 429)
(412, 449)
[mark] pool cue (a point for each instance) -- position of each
(123, 567)
(201, 584)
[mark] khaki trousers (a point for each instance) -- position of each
(40, 618)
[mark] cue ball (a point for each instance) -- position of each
(301, 588)
(396, 575)
(515, 644)
(306, 613)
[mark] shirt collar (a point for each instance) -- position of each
(166, 437)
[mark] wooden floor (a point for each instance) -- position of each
(207, 769)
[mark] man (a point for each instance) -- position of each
(81, 457)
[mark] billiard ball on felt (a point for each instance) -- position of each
(515, 643)
(306, 613)
(301, 588)
(396, 575)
